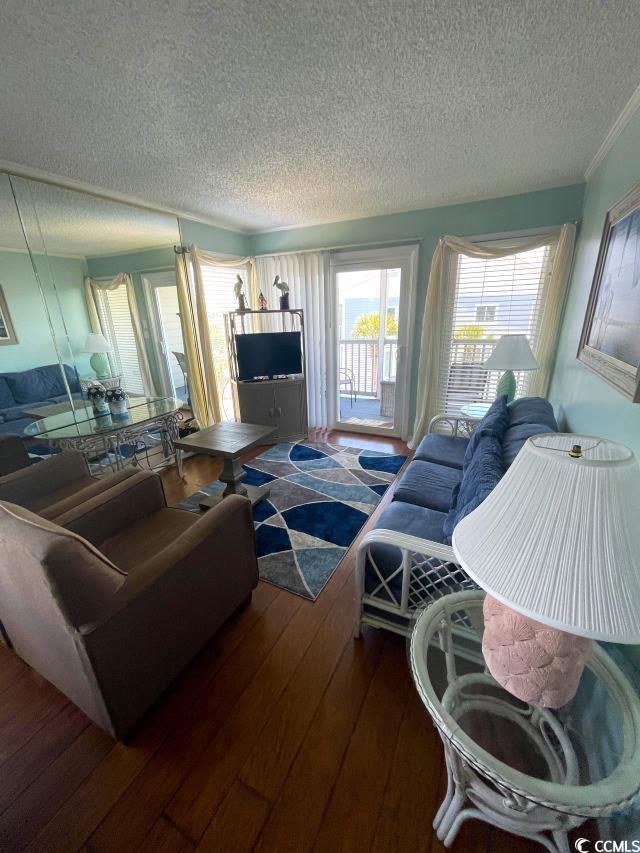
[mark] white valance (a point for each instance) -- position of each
(441, 289)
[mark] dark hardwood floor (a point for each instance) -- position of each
(284, 734)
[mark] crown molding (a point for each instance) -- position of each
(629, 110)
(111, 195)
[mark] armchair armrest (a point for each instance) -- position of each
(113, 510)
(27, 486)
(169, 607)
(13, 454)
(226, 527)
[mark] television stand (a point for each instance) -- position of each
(277, 402)
(281, 403)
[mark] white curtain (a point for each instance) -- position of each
(307, 274)
(123, 279)
(441, 290)
(204, 389)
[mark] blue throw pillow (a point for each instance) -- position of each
(495, 422)
(480, 477)
(516, 436)
(532, 410)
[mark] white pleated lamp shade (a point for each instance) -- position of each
(512, 352)
(558, 539)
(96, 342)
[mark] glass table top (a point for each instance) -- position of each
(475, 410)
(590, 741)
(83, 421)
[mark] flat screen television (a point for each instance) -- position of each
(268, 354)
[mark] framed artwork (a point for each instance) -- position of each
(610, 341)
(7, 332)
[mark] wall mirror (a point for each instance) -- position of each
(88, 292)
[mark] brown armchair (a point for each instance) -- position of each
(57, 484)
(111, 628)
(13, 454)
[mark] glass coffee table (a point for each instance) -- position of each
(534, 772)
(106, 437)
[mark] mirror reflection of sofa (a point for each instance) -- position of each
(27, 389)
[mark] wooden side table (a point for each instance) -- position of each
(535, 772)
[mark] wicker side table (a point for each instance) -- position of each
(531, 771)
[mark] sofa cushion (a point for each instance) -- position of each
(480, 476)
(15, 427)
(403, 518)
(442, 449)
(16, 413)
(427, 484)
(532, 410)
(494, 423)
(516, 436)
(63, 398)
(6, 397)
(33, 386)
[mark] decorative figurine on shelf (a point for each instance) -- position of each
(117, 400)
(283, 287)
(262, 302)
(238, 290)
(97, 394)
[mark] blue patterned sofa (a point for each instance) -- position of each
(30, 388)
(407, 560)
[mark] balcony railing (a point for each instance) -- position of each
(360, 361)
(467, 380)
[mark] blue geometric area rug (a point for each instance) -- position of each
(320, 498)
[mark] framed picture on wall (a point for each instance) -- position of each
(7, 332)
(610, 341)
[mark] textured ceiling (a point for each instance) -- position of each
(263, 114)
(70, 223)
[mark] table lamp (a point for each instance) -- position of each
(556, 545)
(99, 346)
(512, 352)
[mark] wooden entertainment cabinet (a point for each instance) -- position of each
(280, 403)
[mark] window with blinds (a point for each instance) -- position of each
(115, 320)
(220, 298)
(492, 298)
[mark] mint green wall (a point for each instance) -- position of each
(215, 239)
(586, 402)
(511, 213)
(24, 300)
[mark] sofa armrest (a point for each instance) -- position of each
(165, 611)
(458, 426)
(27, 486)
(113, 510)
(13, 454)
(428, 570)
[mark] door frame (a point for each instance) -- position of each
(404, 257)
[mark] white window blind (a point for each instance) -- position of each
(220, 299)
(492, 298)
(115, 320)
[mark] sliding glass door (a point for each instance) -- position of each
(372, 306)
